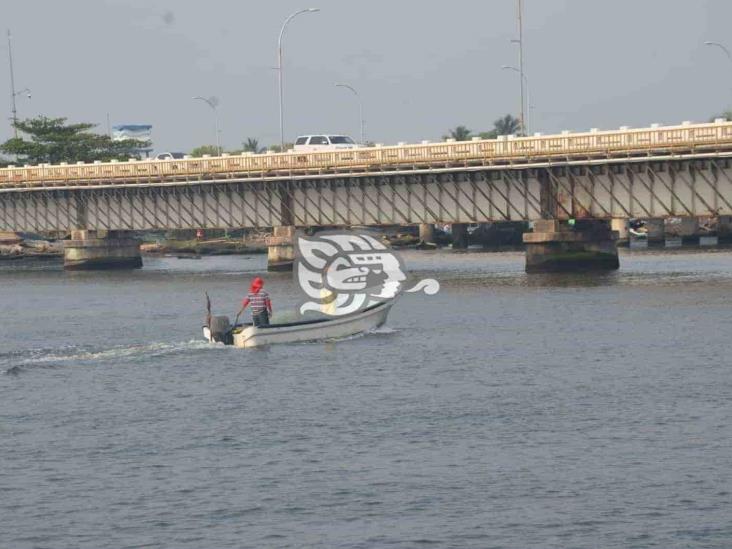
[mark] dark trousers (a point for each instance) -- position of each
(260, 318)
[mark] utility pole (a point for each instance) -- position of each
(521, 62)
(12, 86)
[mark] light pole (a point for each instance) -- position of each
(528, 95)
(13, 93)
(279, 69)
(721, 46)
(213, 103)
(360, 107)
(520, 43)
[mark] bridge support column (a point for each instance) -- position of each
(656, 234)
(281, 249)
(685, 229)
(99, 250)
(427, 232)
(459, 236)
(555, 246)
(724, 228)
(620, 224)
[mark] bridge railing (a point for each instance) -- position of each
(503, 150)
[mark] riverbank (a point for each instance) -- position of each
(220, 246)
(15, 246)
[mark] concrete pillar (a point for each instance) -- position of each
(656, 234)
(99, 250)
(281, 249)
(724, 228)
(620, 225)
(427, 232)
(685, 229)
(459, 236)
(555, 246)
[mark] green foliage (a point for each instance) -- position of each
(52, 140)
(459, 133)
(277, 148)
(727, 115)
(210, 150)
(252, 145)
(507, 125)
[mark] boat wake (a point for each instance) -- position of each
(383, 330)
(19, 361)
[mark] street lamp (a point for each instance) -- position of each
(360, 107)
(721, 46)
(13, 93)
(279, 69)
(213, 103)
(520, 42)
(528, 95)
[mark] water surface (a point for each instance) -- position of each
(506, 411)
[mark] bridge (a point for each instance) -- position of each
(590, 178)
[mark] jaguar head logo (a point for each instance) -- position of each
(344, 272)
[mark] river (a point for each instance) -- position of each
(508, 411)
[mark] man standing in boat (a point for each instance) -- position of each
(258, 302)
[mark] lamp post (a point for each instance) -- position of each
(528, 96)
(520, 42)
(13, 93)
(721, 46)
(213, 103)
(360, 108)
(279, 69)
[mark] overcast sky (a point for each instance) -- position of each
(421, 66)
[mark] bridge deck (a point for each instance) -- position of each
(555, 150)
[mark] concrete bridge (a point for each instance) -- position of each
(572, 185)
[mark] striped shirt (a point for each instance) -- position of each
(258, 302)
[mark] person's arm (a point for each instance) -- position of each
(268, 303)
(244, 304)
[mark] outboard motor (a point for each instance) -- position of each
(221, 330)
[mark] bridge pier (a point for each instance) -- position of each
(555, 246)
(656, 234)
(281, 249)
(427, 232)
(620, 224)
(459, 236)
(90, 250)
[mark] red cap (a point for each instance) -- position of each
(256, 285)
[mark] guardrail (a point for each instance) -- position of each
(504, 150)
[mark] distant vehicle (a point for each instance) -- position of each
(169, 156)
(314, 143)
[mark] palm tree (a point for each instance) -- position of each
(507, 125)
(460, 133)
(727, 115)
(252, 145)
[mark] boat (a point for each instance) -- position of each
(246, 335)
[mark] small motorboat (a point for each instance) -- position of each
(246, 335)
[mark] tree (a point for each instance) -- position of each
(211, 150)
(727, 115)
(252, 145)
(459, 133)
(508, 125)
(277, 148)
(52, 140)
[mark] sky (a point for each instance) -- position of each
(420, 66)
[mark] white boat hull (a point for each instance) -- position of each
(332, 328)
